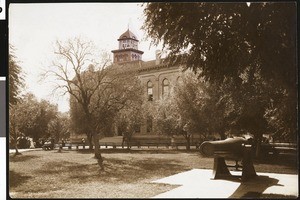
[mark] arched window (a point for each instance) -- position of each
(165, 88)
(179, 80)
(150, 91)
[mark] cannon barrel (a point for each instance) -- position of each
(227, 147)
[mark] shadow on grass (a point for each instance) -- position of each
(281, 159)
(114, 170)
(16, 179)
(131, 170)
(85, 151)
(63, 151)
(277, 196)
(21, 158)
(56, 168)
(287, 161)
(139, 151)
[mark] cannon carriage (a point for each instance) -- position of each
(238, 149)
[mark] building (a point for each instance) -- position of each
(157, 78)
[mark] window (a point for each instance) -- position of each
(179, 80)
(150, 91)
(165, 88)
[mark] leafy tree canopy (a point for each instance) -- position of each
(251, 48)
(31, 117)
(223, 39)
(16, 81)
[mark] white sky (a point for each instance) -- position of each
(33, 29)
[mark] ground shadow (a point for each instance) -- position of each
(123, 170)
(254, 187)
(63, 151)
(137, 151)
(21, 158)
(16, 179)
(281, 159)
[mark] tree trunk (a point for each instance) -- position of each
(15, 139)
(16, 148)
(97, 151)
(222, 135)
(89, 138)
(128, 141)
(257, 145)
(188, 142)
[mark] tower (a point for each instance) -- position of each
(128, 48)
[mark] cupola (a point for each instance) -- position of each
(128, 48)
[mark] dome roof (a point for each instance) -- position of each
(128, 34)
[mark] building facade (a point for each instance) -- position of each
(157, 78)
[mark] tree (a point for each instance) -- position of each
(30, 118)
(235, 42)
(16, 81)
(223, 39)
(167, 118)
(97, 92)
(207, 109)
(122, 94)
(73, 57)
(130, 118)
(193, 108)
(14, 132)
(59, 127)
(33, 116)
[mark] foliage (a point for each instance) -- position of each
(73, 68)
(193, 108)
(225, 38)
(32, 117)
(129, 119)
(97, 91)
(59, 127)
(252, 47)
(14, 133)
(16, 81)
(206, 109)
(165, 114)
(122, 94)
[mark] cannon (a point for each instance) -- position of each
(231, 148)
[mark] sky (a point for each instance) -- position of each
(34, 28)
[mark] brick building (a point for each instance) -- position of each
(157, 78)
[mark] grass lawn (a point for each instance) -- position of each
(127, 174)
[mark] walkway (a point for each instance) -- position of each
(197, 183)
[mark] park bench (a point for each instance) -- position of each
(70, 144)
(150, 141)
(107, 144)
(181, 141)
(48, 146)
(113, 141)
(279, 148)
(77, 143)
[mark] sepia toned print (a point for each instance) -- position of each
(153, 100)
